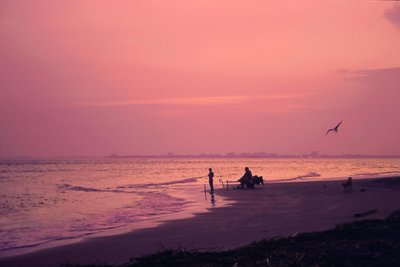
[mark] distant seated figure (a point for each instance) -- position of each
(246, 179)
(348, 185)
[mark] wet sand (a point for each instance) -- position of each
(276, 209)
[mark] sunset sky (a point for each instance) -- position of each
(91, 78)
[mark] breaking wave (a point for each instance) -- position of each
(181, 181)
(378, 173)
(120, 189)
(301, 177)
(89, 189)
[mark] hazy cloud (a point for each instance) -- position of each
(379, 85)
(196, 101)
(393, 15)
(386, 77)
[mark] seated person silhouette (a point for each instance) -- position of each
(246, 179)
(348, 185)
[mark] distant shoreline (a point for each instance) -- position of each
(263, 157)
(202, 156)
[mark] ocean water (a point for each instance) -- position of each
(43, 202)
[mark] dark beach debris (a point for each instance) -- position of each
(365, 213)
(68, 264)
(361, 243)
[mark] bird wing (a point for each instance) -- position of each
(337, 126)
(328, 131)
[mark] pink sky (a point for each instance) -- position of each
(150, 77)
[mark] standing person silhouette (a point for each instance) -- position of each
(211, 180)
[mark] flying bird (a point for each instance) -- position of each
(334, 129)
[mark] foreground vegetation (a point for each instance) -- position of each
(362, 243)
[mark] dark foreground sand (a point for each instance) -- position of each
(279, 209)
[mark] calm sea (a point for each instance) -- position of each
(43, 202)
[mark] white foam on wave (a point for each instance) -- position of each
(118, 188)
(90, 189)
(378, 173)
(174, 182)
(300, 177)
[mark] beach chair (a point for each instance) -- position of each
(348, 185)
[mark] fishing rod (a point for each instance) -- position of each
(219, 174)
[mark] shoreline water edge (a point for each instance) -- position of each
(275, 209)
(194, 201)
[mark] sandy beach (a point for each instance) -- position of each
(275, 209)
